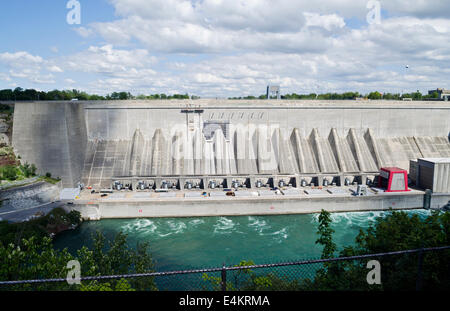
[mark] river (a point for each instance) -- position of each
(185, 243)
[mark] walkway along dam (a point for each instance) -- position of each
(168, 154)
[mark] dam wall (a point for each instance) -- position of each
(97, 142)
(51, 135)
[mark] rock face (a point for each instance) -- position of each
(4, 140)
(4, 126)
(4, 131)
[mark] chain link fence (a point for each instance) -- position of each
(418, 269)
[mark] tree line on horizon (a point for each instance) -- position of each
(19, 94)
(350, 96)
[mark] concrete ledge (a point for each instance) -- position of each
(249, 206)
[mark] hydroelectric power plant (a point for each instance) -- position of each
(212, 157)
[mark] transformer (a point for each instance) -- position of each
(393, 179)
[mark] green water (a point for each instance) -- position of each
(184, 243)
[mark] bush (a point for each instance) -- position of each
(9, 172)
(48, 175)
(28, 170)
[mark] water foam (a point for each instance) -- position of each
(196, 222)
(140, 226)
(170, 227)
(224, 225)
(278, 236)
(258, 224)
(364, 219)
(176, 226)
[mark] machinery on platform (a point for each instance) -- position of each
(393, 179)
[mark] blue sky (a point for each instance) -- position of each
(225, 48)
(36, 26)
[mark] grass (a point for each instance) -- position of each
(50, 180)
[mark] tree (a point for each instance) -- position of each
(9, 172)
(36, 258)
(6, 94)
(394, 232)
(325, 233)
(375, 95)
(28, 170)
(417, 95)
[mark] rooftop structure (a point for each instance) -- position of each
(443, 94)
(273, 89)
(434, 174)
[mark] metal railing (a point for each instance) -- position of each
(221, 276)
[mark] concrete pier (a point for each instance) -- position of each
(147, 206)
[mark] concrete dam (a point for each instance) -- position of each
(224, 141)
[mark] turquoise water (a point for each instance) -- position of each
(184, 243)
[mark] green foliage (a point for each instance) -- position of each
(8, 172)
(394, 232)
(121, 285)
(50, 180)
(5, 108)
(35, 258)
(74, 217)
(325, 233)
(115, 257)
(375, 95)
(249, 280)
(48, 175)
(164, 96)
(40, 228)
(28, 170)
(6, 151)
(389, 96)
(19, 94)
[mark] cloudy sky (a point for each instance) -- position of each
(221, 48)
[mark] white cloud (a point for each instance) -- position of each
(55, 68)
(109, 61)
(329, 22)
(235, 47)
(20, 59)
(84, 32)
(23, 65)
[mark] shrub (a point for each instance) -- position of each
(9, 172)
(28, 170)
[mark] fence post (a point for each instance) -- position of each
(419, 271)
(224, 278)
